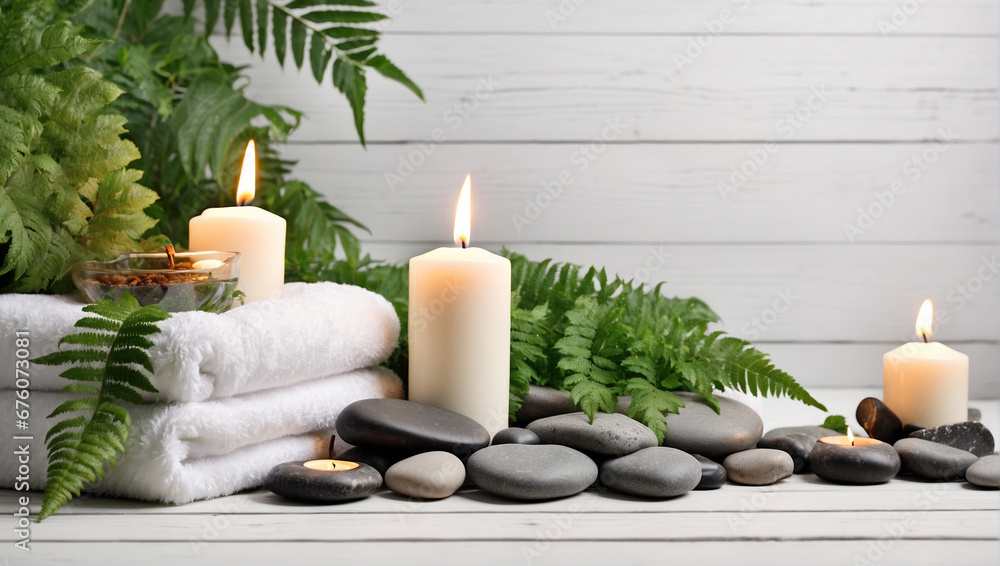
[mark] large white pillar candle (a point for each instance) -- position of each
(459, 328)
(254, 232)
(926, 383)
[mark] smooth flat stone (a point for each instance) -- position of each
(381, 460)
(970, 436)
(698, 429)
(911, 428)
(933, 461)
(975, 414)
(516, 435)
(878, 420)
(807, 435)
(609, 435)
(713, 474)
(396, 424)
(862, 464)
(531, 472)
(985, 472)
(295, 481)
(791, 446)
(430, 475)
(541, 402)
(652, 472)
(758, 466)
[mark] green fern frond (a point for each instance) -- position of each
(337, 30)
(80, 447)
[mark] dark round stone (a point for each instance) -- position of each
(713, 474)
(295, 481)
(652, 472)
(862, 464)
(516, 435)
(933, 461)
(879, 421)
(406, 426)
(790, 446)
(381, 460)
(531, 472)
(970, 436)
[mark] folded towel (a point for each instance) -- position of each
(181, 452)
(316, 329)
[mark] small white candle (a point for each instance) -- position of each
(254, 232)
(459, 327)
(926, 383)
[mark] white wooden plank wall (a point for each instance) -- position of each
(741, 141)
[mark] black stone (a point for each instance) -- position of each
(405, 426)
(516, 435)
(933, 461)
(381, 460)
(791, 446)
(879, 421)
(531, 472)
(713, 474)
(970, 436)
(863, 464)
(295, 481)
(911, 428)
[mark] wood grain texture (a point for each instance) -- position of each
(672, 193)
(487, 87)
(929, 17)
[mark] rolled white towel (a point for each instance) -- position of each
(316, 329)
(177, 453)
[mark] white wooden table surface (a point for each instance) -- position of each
(800, 520)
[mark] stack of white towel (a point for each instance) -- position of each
(238, 392)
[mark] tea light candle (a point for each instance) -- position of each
(846, 459)
(459, 327)
(323, 481)
(926, 383)
(254, 232)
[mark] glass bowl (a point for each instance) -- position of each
(199, 281)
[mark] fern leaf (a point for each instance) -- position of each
(80, 447)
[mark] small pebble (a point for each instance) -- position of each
(713, 474)
(975, 414)
(879, 421)
(933, 461)
(431, 475)
(985, 472)
(516, 435)
(791, 446)
(758, 466)
(970, 436)
(652, 472)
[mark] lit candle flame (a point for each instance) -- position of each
(850, 436)
(248, 176)
(925, 320)
(463, 214)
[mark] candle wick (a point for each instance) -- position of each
(924, 334)
(466, 244)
